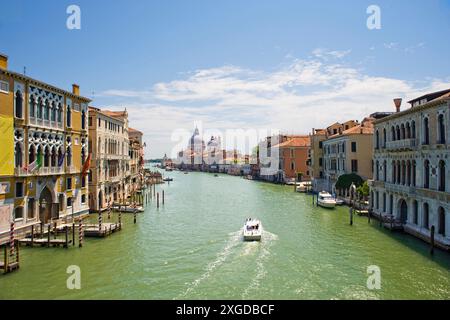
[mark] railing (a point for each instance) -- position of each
(400, 188)
(20, 172)
(50, 170)
(405, 144)
(46, 123)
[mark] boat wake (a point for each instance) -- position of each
(261, 251)
(267, 240)
(233, 241)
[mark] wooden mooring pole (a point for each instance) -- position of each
(48, 235)
(67, 237)
(157, 200)
(351, 216)
(135, 213)
(80, 233)
(163, 197)
(32, 234)
(5, 259)
(11, 239)
(73, 234)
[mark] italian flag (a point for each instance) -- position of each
(36, 164)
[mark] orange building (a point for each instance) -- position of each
(294, 154)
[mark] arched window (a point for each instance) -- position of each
(391, 204)
(59, 113)
(47, 110)
(384, 138)
(31, 154)
(385, 171)
(413, 173)
(403, 132)
(47, 157)
(53, 157)
(408, 173)
(441, 129)
(399, 172)
(40, 108)
(69, 117)
(83, 119)
(53, 113)
(408, 131)
(415, 212)
(397, 129)
(426, 131)
(69, 156)
(413, 129)
(83, 156)
(426, 174)
(384, 201)
(60, 158)
(441, 221)
(19, 105)
(426, 216)
(32, 106)
(393, 133)
(377, 140)
(377, 171)
(442, 175)
(403, 181)
(394, 173)
(18, 158)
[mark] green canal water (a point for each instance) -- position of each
(191, 249)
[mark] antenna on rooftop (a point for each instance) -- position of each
(24, 70)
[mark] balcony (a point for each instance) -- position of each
(72, 169)
(401, 145)
(46, 123)
(399, 188)
(44, 171)
(20, 172)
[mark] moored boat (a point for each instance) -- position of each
(129, 209)
(326, 200)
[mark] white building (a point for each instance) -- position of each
(411, 167)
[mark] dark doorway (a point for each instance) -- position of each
(45, 205)
(403, 211)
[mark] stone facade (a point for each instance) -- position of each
(110, 165)
(40, 121)
(411, 167)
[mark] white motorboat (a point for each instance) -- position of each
(339, 202)
(303, 186)
(326, 200)
(129, 209)
(252, 230)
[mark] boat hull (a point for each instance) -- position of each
(252, 237)
(327, 205)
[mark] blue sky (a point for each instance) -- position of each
(291, 65)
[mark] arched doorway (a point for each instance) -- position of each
(403, 211)
(45, 205)
(441, 219)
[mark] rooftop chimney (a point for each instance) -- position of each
(76, 89)
(3, 61)
(398, 103)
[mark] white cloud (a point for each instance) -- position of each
(296, 97)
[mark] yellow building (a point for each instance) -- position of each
(44, 144)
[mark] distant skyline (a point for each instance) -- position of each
(288, 65)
